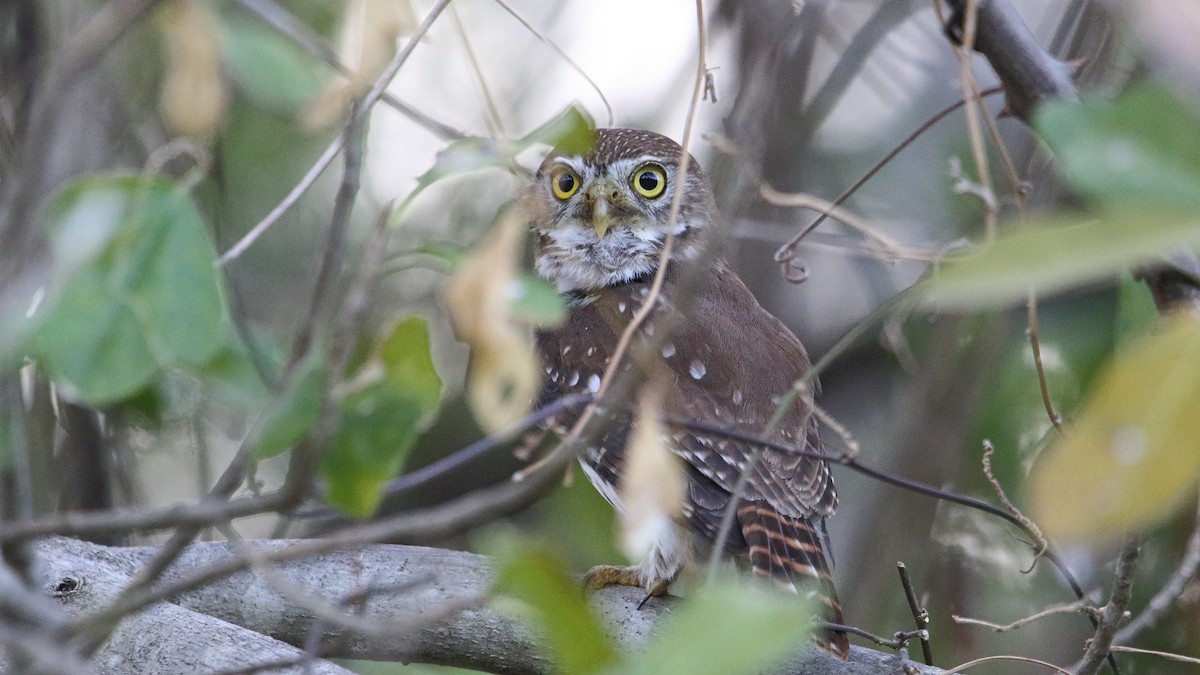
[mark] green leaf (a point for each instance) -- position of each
(293, 415)
(408, 363)
(1055, 254)
(464, 155)
(172, 285)
(573, 131)
(727, 628)
(134, 287)
(1136, 312)
(537, 578)
(376, 430)
(1133, 455)
(536, 303)
(392, 399)
(231, 376)
(268, 68)
(1139, 149)
(91, 343)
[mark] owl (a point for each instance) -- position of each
(600, 221)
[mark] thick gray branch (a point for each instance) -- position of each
(164, 638)
(397, 602)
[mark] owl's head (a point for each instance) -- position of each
(601, 218)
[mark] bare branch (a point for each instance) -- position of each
(1169, 593)
(1114, 611)
(1069, 608)
(920, 614)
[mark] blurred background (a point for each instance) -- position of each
(808, 96)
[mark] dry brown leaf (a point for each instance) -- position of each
(503, 375)
(653, 485)
(194, 98)
(366, 42)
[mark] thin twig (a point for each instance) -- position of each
(458, 459)
(1151, 652)
(438, 521)
(974, 109)
(299, 33)
(362, 110)
(289, 200)
(1066, 608)
(891, 248)
(1030, 526)
(852, 446)
(883, 476)
(494, 121)
(562, 55)
(920, 614)
(899, 640)
(1035, 344)
(787, 252)
(1170, 592)
(207, 513)
(962, 667)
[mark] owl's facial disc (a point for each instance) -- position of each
(602, 219)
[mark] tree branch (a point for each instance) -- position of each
(1114, 611)
(1031, 75)
(246, 612)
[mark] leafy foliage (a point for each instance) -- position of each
(134, 288)
(727, 627)
(765, 627)
(1138, 160)
(1140, 150)
(390, 401)
(538, 580)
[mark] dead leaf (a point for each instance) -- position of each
(366, 43)
(653, 485)
(194, 98)
(503, 375)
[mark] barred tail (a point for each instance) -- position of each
(788, 550)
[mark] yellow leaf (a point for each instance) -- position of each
(503, 376)
(1134, 453)
(366, 42)
(193, 97)
(653, 485)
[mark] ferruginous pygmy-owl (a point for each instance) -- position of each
(600, 222)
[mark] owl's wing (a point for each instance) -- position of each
(733, 362)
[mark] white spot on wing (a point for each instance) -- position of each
(668, 351)
(737, 397)
(697, 370)
(594, 383)
(574, 379)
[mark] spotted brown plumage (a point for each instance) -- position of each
(600, 221)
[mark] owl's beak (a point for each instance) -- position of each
(600, 220)
(599, 196)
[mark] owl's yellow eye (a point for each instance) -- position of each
(650, 181)
(564, 182)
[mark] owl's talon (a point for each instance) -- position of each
(603, 576)
(657, 591)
